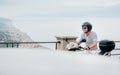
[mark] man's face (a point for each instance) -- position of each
(85, 29)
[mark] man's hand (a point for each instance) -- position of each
(86, 48)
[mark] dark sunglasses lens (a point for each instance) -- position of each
(84, 27)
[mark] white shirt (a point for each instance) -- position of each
(89, 39)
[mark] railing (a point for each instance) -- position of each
(18, 43)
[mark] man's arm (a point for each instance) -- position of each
(91, 46)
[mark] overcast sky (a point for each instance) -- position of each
(44, 19)
(59, 8)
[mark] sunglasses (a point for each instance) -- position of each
(84, 28)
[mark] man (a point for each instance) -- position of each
(89, 36)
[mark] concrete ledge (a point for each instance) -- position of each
(64, 41)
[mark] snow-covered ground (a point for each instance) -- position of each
(56, 62)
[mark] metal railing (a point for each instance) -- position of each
(18, 43)
(56, 42)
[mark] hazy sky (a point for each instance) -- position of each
(59, 8)
(44, 19)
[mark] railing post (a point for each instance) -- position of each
(56, 46)
(17, 45)
(7, 45)
(12, 45)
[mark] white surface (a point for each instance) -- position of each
(50, 62)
